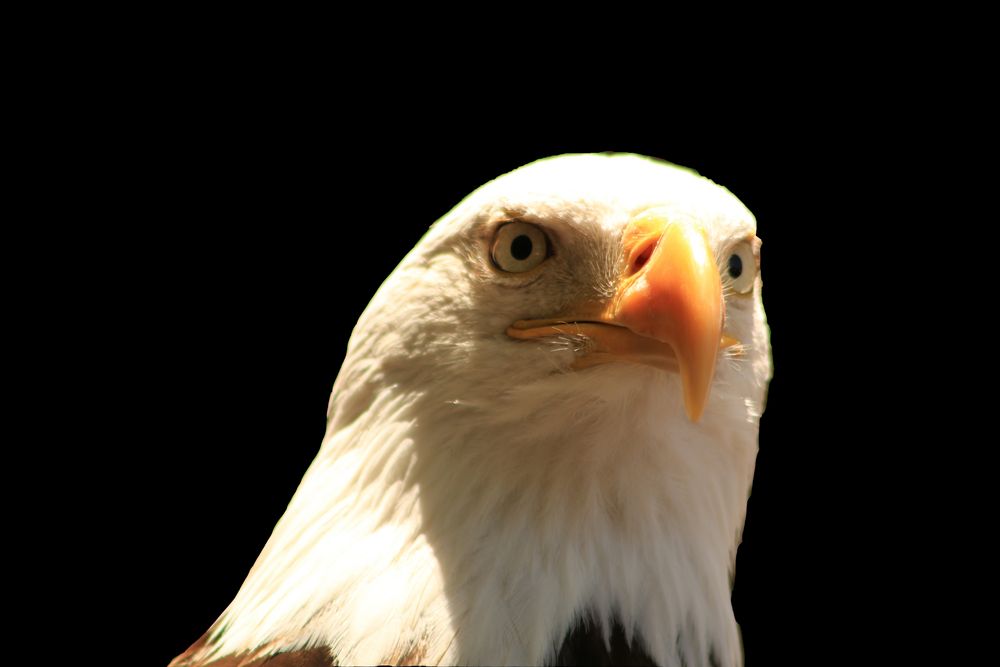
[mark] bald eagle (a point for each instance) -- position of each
(541, 442)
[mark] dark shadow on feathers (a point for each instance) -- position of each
(584, 645)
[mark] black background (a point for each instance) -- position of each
(264, 211)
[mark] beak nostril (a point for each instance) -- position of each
(643, 257)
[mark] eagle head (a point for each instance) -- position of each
(545, 428)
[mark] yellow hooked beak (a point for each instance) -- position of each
(667, 311)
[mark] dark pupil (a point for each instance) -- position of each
(520, 248)
(735, 266)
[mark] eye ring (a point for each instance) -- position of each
(519, 247)
(740, 269)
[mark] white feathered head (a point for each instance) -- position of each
(546, 420)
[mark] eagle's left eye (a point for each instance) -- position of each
(519, 247)
(741, 267)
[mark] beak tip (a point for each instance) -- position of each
(696, 383)
(693, 411)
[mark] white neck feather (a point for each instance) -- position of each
(435, 529)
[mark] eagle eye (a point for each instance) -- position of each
(741, 267)
(519, 247)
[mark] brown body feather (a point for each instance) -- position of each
(310, 657)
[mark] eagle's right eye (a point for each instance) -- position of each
(519, 247)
